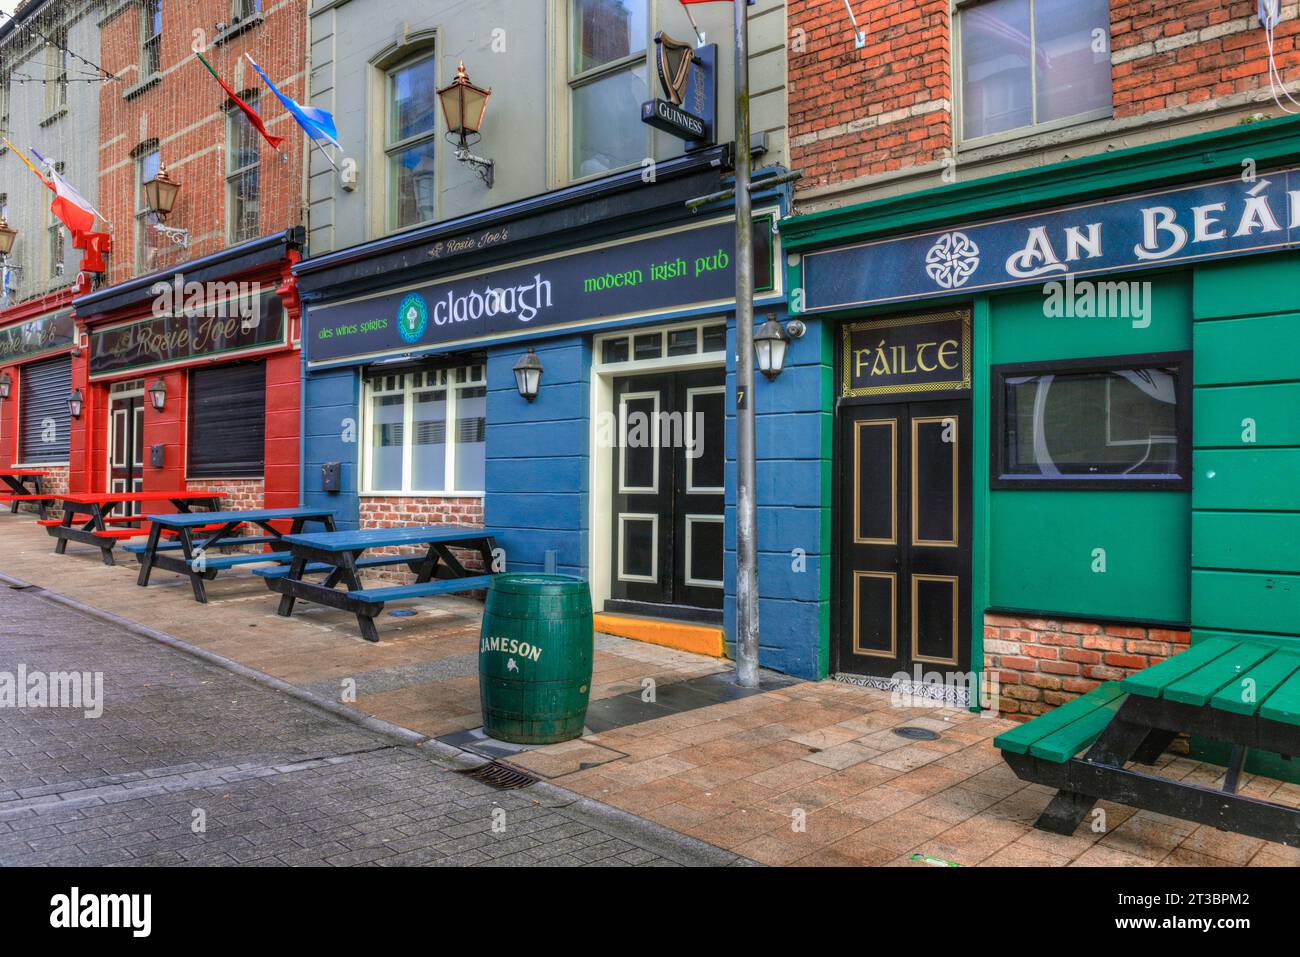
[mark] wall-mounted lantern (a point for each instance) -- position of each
(160, 197)
(75, 403)
(7, 236)
(158, 395)
(528, 375)
(771, 343)
(463, 107)
(5, 383)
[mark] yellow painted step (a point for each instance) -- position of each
(700, 639)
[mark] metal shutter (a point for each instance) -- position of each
(227, 420)
(44, 414)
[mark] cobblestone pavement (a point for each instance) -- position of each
(273, 780)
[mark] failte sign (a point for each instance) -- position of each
(25, 340)
(929, 353)
(688, 267)
(1233, 217)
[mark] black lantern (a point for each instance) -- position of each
(74, 404)
(463, 107)
(770, 343)
(528, 375)
(158, 395)
(7, 236)
(5, 382)
(160, 192)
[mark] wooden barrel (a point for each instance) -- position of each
(534, 658)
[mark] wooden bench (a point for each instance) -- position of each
(1243, 693)
(439, 586)
(412, 562)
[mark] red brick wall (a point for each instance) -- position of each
(237, 494)
(1042, 663)
(855, 113)
(394, 512)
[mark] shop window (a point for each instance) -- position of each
(150, 38)
(43, 411)
(696, 339)
(227, 437)
(1032, 64)
(426, 431)
(1115, 423)
(242, 145)
(411, 140)
(608, 82)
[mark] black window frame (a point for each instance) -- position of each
(221, 470)
(1179, 361)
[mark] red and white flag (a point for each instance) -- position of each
(73, 209)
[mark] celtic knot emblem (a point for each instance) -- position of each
(952, 260)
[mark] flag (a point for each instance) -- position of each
(28, 163)
(251, 113)
(72, 209)
(318, 123)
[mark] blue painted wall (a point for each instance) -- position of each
(792, 451)
(538, 457)
(332, 401)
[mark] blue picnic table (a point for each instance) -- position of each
(197, 535)
(339, 556)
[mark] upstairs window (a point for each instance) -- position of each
(56, 72)
(150, 38)
(146, 238)
(1032, 64)
(608, 82)
(242, 152)
(410, 142)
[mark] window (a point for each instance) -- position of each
(227, 436)
(1033, 63)
(410, 142)
(44, 419)
(426, 431)
(695, 339)
(55, 239)
(146, 238)
(1121, 422)
(150, 38)
(242, 142)
(56, 72)
(243, 9)
(4, 107)
(608, 82)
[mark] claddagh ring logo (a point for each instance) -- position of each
(952, 260)
(412, 318)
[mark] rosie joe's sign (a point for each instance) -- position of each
(683, 268)
(1227, 218)
(35, 337)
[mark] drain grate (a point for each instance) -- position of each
(500, 776)
(917, 734)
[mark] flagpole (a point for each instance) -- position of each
(746, 507)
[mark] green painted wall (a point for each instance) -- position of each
(1042, 544)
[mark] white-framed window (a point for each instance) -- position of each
(150, 38)
(1031, 65)
(609, 77)
(241, 10)
(242, 154)
(410, 141)
(425, 432)
(147, 159)
(56, 71)
(701, 342)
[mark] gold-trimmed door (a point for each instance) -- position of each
(904, 514)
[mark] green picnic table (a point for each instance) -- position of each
(1243, 693)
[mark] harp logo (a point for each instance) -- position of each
(687, 77)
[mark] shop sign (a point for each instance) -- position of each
(24, 340)
(192, 334)
(688, 76)
(1232, 217)
(925, 353)
(679, 269)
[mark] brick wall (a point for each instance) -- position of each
(889, 106)
(398, 511)
(1042, 663)
(55, 483)
(237, 494)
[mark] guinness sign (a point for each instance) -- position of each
(926, 353)
(688, 77)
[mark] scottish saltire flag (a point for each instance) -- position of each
(318, 123)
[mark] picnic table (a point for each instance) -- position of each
(99, 507)
(1243, 693)
(197, 534)
(17, 481)
(339, 556)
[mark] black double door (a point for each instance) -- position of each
(668, 494)
(904, 532)
(126, 447)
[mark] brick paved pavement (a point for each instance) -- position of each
(278, 781)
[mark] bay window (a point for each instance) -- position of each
(425, 431)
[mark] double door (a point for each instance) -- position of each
(126, 443)
(905, 549)
(668, 494)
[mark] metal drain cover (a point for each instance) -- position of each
(917, 734)
(500, 776)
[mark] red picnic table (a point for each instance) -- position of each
(21, 491)
(99, 506)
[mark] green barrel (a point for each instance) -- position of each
(534, 659)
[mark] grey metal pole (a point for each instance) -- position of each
(746, 511)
